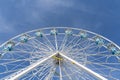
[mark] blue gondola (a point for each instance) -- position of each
(112, 48)
(99, 41)
(9, 46)
(0, 55)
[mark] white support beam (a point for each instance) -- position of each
(60, 70)
(99, 77)
(16, 76)
(19, 74)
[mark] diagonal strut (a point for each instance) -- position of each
(99, 77)
(17, 75)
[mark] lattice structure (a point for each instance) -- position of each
(59, 53)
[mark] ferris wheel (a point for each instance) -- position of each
(59, 53)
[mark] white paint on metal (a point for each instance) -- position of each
(29, 68)
(99, 77)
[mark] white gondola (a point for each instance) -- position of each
(53, 32)
(68, 32)
(39, 34)
(83, 34)
(24, 38)
(118, 52)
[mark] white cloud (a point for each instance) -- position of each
(37, 10)
(48, 4)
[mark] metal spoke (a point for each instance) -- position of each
(59, 53)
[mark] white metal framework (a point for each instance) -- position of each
(59, 53)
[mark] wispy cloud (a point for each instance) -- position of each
(37, 11)
(5, 27)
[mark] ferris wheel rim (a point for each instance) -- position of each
(58, 28)
(63, 28)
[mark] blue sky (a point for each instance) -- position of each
(100, 16)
